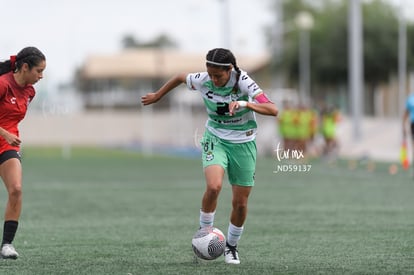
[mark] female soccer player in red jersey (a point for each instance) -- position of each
(17, 75)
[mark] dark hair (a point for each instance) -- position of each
(29, 55)
(223, 58)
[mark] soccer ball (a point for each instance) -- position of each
(208, 243)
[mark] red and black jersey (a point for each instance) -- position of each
(13, 106)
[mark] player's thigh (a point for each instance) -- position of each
(214, 175)
(11, 173)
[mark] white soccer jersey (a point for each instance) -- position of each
(241, 126)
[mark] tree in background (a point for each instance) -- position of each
(329, 44)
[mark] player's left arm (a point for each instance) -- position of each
(261, 105)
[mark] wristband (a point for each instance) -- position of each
(242, 103)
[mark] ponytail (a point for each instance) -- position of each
(238, 71)
(5, 67)
(29, 55)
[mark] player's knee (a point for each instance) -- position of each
(214, 190)
(240, 206)
(15, 191)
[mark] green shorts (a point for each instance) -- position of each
(238, 159)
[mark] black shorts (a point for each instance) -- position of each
(412, 129)
(6, 155)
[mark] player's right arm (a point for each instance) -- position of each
(10, 138)
(151, 98)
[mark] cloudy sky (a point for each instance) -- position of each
(67, 31)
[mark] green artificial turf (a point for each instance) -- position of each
(108, 211)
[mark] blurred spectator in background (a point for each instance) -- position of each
(408, 116)
(306, 128)
(297, 126)
(286, 127)
(329, 118)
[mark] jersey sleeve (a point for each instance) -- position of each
(248, 85)
(194, 81)
(32, 94)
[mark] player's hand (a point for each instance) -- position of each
(13, 140)
(236, 105)
(233, 106)
(149, 98)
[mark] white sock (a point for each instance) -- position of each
(206, 219)
(234, 234)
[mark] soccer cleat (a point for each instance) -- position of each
(8, 251)
(231, 256)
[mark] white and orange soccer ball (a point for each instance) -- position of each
(208, 243)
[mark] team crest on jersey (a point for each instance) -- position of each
(234, 96)
(209, 156)
(13, 100)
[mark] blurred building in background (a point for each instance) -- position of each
(117, 81)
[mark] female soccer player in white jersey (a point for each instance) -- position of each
(232, 98)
